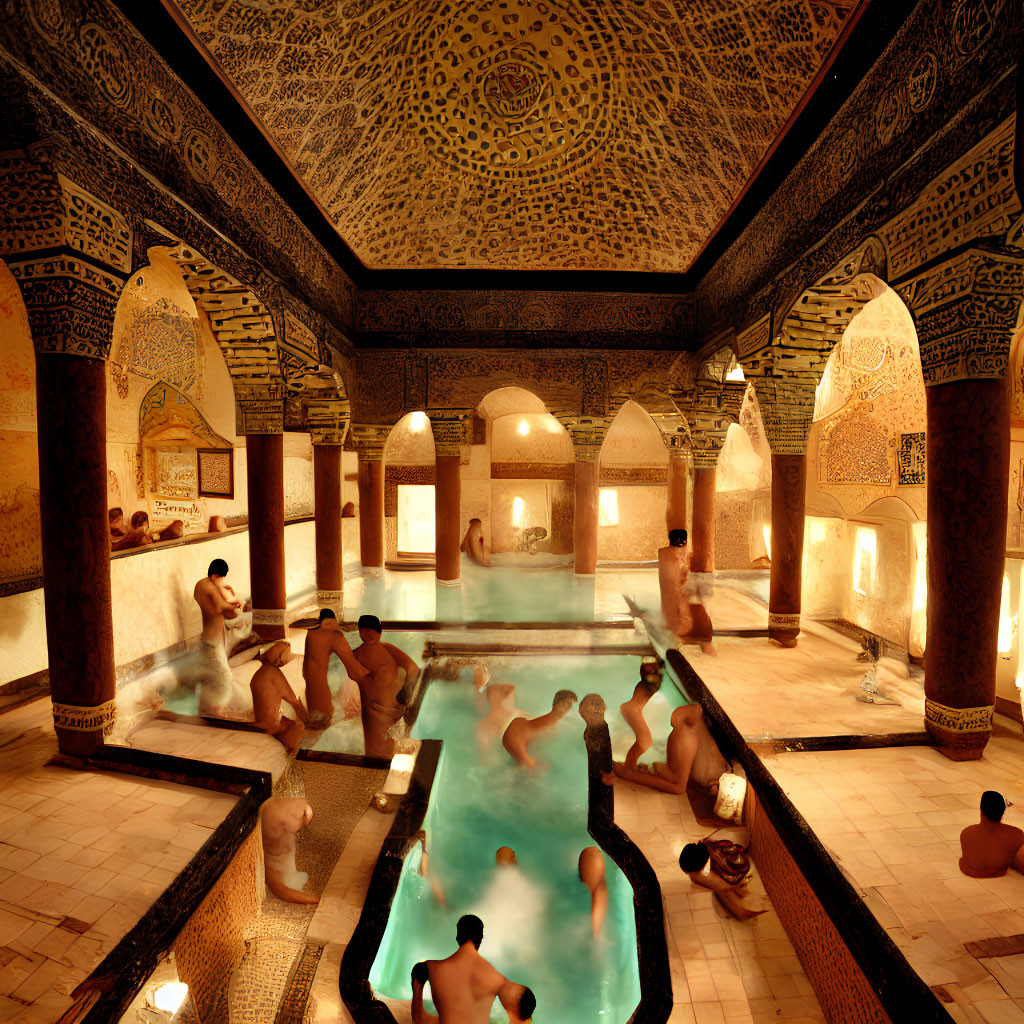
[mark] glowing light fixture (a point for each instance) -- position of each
(1005, 643)
(402, 762)
(418, 422)
(766, 532)
(170, 995)
(864, 556)
(608, 507)
(817, 531)
(518, 508)
(524, 427)
(736, 373)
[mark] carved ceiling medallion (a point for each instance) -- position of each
(512, 89)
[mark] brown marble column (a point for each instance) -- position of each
(371, 510)
(678, 479)
(447, 509)
(451, 430)
(265, 486)
(72, 435)
(789, 481)
(327, 512)
(968, 450)
(702, 531)
(584, 529)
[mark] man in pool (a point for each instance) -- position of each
(217, 603)
(633, 711)
(379, 689)
(501, 698)
(474, 544)
(280, 822)
(990, 848)
(521, 732)
(464, 985)
(672, 775)
(591, 870)
(321, 642)
(269, 687)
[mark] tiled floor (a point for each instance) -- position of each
(891, 819)
(809, 690)
(723, 971)
(83, 855)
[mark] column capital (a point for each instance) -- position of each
(369, 439)
(587, 434)
(787, 410)
(710, 408)
(327, 420)
(451, 428)
(965, 311)
(259, 409)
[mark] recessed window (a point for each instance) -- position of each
(608, 507)
(416, 519)
(1005, 620)
(518, 508)
(864, 556)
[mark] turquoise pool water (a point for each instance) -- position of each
(537, 915)
(500, 594)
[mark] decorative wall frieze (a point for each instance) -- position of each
(965, 310)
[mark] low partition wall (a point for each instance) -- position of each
(154, 614)
(858, 973)
(215, 868)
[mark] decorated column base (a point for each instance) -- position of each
(959, 733)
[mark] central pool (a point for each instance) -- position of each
(537, 915)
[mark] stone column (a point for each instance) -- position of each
(787, 408)
(265, 486)
(70, 278)
(327, 511)
(677, 441)
(587, 434)
(702, 533)
(965, 312)
(451, 440)
(369, 444)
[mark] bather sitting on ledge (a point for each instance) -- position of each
(463, 986)
(390, 672)
(672, 775)
(321, 642)
(521, 732)
(722, 867)
(990, 848)
(269, 687)
(280, 821)
(474, 544)
(217, 603)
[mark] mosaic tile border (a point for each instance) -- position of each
(901, 991)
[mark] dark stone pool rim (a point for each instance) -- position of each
(902, 992)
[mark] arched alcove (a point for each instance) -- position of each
(409, 488)
(21, 557)
(527, 455)
(172, 450)
(633, 473)
(866, 461)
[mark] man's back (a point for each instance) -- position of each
(463, 987)
(989, 849)
(268, 689)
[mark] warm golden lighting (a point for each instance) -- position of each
(1005, 643)
(418, 422)
(817, 531)
(736, 373)
(416, 532)
(864, 556)
(170, 995)
(524, 427)
(402, 763)
(608, 508)
(766, 532)
(518, 508)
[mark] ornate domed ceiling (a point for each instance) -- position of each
(522, 134)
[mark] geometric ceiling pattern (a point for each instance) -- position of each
(522, 134)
